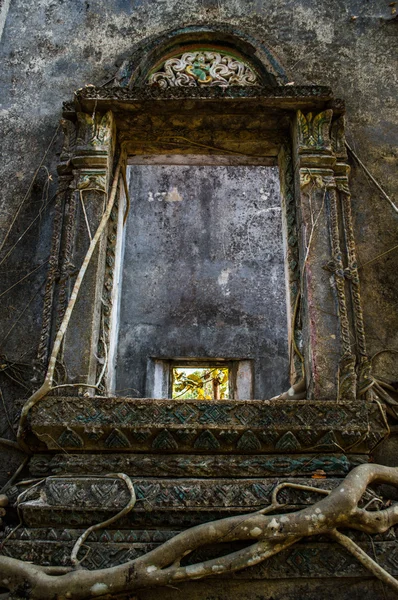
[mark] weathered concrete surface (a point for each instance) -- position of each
(51, 48)
(203, 272)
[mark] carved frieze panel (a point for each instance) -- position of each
(294, 94)
(83, 499)
(243, 427)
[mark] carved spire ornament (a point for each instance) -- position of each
(203, 68)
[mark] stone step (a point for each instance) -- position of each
(223, 426)
(182, 465)
(310, 559)
(82, 501)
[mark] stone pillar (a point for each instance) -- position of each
(91, 167)
(55, 294)
(292, 263)
(329, 362)
(342, 171)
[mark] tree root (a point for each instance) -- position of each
(97, 526)
(270, 535)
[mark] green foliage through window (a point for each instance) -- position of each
(203, 383)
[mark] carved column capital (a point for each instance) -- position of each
(94, 140)
(314, 146)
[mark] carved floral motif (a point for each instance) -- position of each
(203, 68)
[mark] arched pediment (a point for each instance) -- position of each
(202, 56)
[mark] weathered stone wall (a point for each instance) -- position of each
(50, 48)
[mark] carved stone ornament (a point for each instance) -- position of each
(91, 180)
(243, 427)
(203, 68)
(94, 131)
(108, 548)
(337, 138)
(313, 131)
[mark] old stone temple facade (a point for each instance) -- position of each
(198, 289)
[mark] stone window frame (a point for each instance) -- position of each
(301, 129)
(323, 286)
(298, 128)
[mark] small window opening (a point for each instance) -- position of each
(202, 383)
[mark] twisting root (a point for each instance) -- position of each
(365, 559)
(97, 526)
(269, 534)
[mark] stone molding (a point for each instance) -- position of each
(159, 426)
(312, 560)
(203, 465)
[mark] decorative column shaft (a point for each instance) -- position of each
(57, 276)
(329, 362)
(91, 167)
(342, 171)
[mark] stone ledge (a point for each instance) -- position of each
(183, 465)
(309, 559)
(82, 501)
(241, 427)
